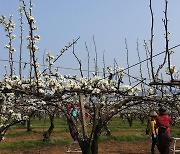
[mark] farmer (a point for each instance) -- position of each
(153, 131)
(164, 138)
(74, 112)
(73, 121)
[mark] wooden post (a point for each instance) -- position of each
(82, 111)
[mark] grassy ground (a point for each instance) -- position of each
(121, 132)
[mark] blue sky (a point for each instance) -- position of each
(109, 21)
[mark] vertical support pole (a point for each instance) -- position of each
(82, 111)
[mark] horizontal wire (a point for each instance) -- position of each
(85, 70)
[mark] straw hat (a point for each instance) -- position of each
(153, 114)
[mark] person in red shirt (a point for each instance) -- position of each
(164, 138)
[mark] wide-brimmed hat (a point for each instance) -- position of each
(162, 109)
(153, 114)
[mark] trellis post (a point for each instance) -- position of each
(82, 112)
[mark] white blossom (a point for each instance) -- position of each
(96, 91)
(171, 71)
(109, 69)
(36, 37)
(151, 91)
(119, 71)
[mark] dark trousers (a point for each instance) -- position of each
(153, 144)
(73, 134)
(164, 140)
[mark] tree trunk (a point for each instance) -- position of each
(90, 147)
(1, 136)
(142, 119)
(47, 134)
(108, 132)
(23, 123)
(85, 147)
(29, 125)
(130, 120)
(94, 145)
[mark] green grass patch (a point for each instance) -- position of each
(61, 131)
(66, 141)
(22, 133)
(124, 124)
(175, 133)
(59, 122)
(14, 134)
(116, 128)
(123, 138)
(34, 143)
(38, 126)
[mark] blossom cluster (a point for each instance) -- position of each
(170, 70)
(151, 91)
(9, 27)
(58, 84)
(32, 38)
(130, 90)
(9, 110)
(14, 109)
(117, 70)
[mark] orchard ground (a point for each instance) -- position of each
(124, 139)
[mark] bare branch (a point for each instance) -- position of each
(127, 51)
(88, 58)
(79, 61)
(151, 41)
(95, 60)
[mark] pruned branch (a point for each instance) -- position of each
(79, 61)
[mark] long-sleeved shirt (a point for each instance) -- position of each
(153, 130)
(164, 120)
